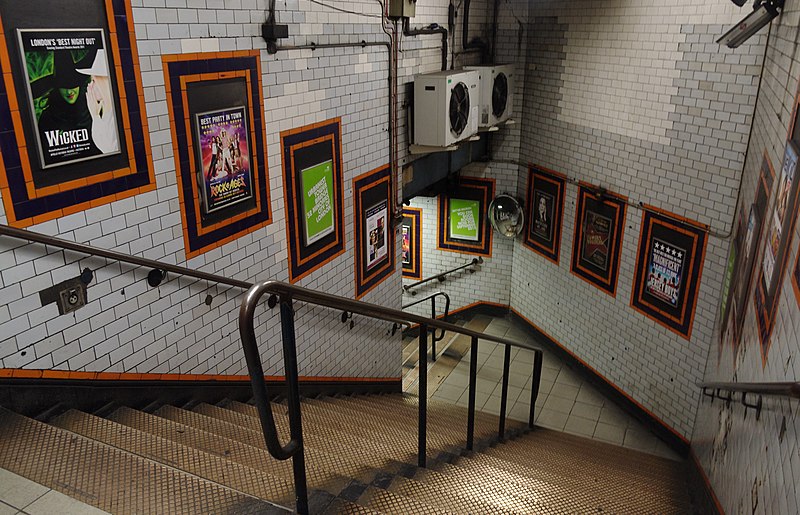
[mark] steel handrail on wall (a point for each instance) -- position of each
(783, 389)
(432, 297)
(443, 275)
(286, 295)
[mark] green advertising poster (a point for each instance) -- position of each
(317, 182)
(465, 219)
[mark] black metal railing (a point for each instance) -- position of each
(442, 277)
(435, 337)
(285, 295)
(715, 391)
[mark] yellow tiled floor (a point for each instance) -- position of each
(566, 402)
(22, 496)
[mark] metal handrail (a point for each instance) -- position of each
(787, 389)
(22, 234)
(286, 294)
(442, 276)
(432, 297)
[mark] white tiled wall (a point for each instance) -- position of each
(638, 98)
(754, 466)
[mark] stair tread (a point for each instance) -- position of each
(109, 478)
(393, 504)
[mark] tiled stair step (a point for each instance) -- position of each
(616, 495)
(442, 498)
(109, 478)
(212, 467)
(254, 455)
(331, 428)
(535, 450)
(342, 507)
(316, 459)
(390, 503)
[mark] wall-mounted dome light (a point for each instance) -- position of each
(764, 11)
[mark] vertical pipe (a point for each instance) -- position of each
(433, 336)
(504, 398)
(473, 372)
(537, 379)
(295, 424)
(423, 394)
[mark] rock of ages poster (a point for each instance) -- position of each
(668, 268)
(69, 88)
(596, 240)
(225, 170)
(377, 239)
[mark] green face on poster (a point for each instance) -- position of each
(317, 182)
(465, 219)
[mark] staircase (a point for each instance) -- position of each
(361, 455)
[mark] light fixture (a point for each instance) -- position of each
(764, 11)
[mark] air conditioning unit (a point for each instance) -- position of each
(497, 93)
(446, 107)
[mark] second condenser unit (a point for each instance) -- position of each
(446, 107)
(497, 93)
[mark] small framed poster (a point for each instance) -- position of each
(779, 230)
(411, 238)
(669, 266)
(314, 193)
(545, 208)
(374, 238)
(599, 226)
(463, 226)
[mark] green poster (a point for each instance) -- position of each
(726, 284)
(465, 219)
(317, 182)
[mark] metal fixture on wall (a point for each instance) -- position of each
(764, 11)
(506, 215)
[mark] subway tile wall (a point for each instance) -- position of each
(754, 465)
(130, 327)
(637, 98)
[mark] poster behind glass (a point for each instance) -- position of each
(317, 201)
(596, 240)
(377, 236)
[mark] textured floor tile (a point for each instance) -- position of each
(564, 391)
(584, 410)
(580, 426)
(609, 433)
(559, 404)
(56, 502)
(449, 392)
(551, 419)
(6, 509)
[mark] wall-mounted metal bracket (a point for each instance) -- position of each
(757, 406)
(156, 277)
(272, 301)
(727, 399)
(709, 395)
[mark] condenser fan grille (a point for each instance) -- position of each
(499, 95)
(459, 108)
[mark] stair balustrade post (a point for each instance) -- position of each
(423, 395)
(433, 336)
(293, 391)
(504, 396)
(473, 373)
(537, 379)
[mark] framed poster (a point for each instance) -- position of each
(374, 238)
(746, 246)
(223, 144)
(597, 243)
(463, 226)
(219, 142)
(411, 238)
(73, 128)
(669, 265)
(313, 191)
(779, 230)
(545, 208)
(796, 278)
(317, 201)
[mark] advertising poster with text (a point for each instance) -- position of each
(69, 89)
(377, 242)
(317, 200)
(542, 225)
(465, 219)
(406, 233)
(596, 240)
(665, 272)
(224, 158)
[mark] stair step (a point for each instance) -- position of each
(209, 466)
(109, 478)
(392, 504)
(445, 499)
(342, 507)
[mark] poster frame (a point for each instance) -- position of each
(539, 174)
(372, 189)
(471, 188)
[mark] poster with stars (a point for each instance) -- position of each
(668, 269)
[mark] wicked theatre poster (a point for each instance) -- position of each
(597, 243)
(70, 93)
(668, 269)
(544, 212)
(224, 147)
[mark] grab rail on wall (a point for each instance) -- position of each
(434, 337)
(785, 389)
(286, 295)
(443, 275)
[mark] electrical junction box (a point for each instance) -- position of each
(402, 8)
(497, 93)
(446, 107)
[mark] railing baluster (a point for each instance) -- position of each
(473, 373)
(537, 377)
(433, 336)
(504, 396)
(295, 423)
(423, 395)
